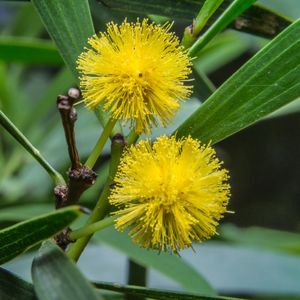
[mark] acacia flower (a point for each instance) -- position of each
(137, 70)
(171, 193)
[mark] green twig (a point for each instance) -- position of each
(232, 11)
(18, 135)
(92, 228)
(102, 206)
(100, 143)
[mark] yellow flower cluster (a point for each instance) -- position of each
(171, 193)
(138, 71)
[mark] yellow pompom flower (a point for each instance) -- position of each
(138, 71)
(171, 193)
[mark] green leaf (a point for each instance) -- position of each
(205, 13)
(56, 277)
(256, 20)
(191, 33)
(246, 270)
(265, 83)
(170, 265)
(18, 238)
(69, 24)
(233, 11)
(13, 287)
(291, 108)
(262, 237)
(24, 212)
(232, 269)
(155, 293)
(28, 51)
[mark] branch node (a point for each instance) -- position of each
(80, 179)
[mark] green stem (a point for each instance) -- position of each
(100, 143)
(232, 11)
(92, 228)
(104, 117)
(18, 135)
(102, 206)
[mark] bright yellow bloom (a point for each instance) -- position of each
(138, 71)
(170, 194)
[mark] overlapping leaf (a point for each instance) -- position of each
(268, 81)
(55, 276)
(18, 238)
(169, 265)
(256, 20)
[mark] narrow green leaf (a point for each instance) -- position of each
(155, 293)
(28, 51)
(256, 20)
(265, 83)
(191, 33)
(205, 13)
(233, 10)
(262, 238)
(55, 277)
(18, 238)
(14, 288)
(69, 24)
(170, 265)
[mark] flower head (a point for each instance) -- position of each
(170, 194)
(137, 70)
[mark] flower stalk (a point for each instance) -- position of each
(132, 137)
(100, 143)
(91, 228)
(102, 207)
